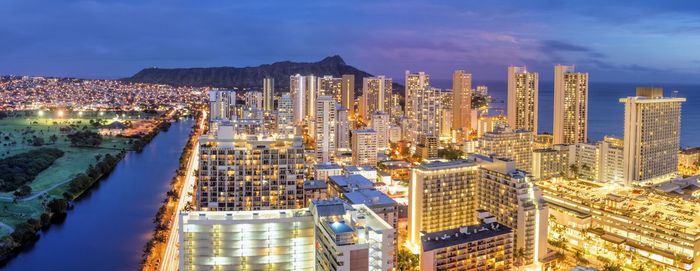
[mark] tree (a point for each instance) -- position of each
(24, 233)
(37, 141)
(85, 139)
(57, 206)
(573, 169)
(612, 267)
(23, 191)
(407, 261)
(53, 139)
(519, 256)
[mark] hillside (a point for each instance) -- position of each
(250, 77)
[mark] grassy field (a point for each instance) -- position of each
(17, 136)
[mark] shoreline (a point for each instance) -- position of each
(163, 220)
(26, 234)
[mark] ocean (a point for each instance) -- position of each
(606, 113)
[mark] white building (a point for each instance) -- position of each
(220, 103)
(364, 147)
(570, 105)
(652, 136)
(522, 98)
(268, 94)
(247, 240)
(297, 88)
(326, 125)
(376, 95)
(380, 123)
(351, 237)
(343, 129)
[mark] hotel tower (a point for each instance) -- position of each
(522, 98)
(570, 105)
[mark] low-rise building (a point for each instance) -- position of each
(482, 247)
(351, 237)
(247, 240)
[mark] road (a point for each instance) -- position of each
(36, 194)
(171, 258)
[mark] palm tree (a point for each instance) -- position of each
(519, 257)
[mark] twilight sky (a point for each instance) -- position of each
(619, 41)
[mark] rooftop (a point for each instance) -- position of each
(449, 164)
(371, 198)
(315, 184)
(462, 235)
(649, 205)
(359, 168)
(328, 166)
(351, 182)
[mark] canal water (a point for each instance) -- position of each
(110, 224)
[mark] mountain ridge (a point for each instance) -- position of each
(251, 76)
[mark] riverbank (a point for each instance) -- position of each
(68, 179)
(165, 219)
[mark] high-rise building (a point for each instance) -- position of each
(343, 129)
(268, 93)
(311, 96)
(326, 125)
(253, 100)
(330, 86)
(414, 82)
(347, 94)
(364, 147)
(445, 117)
(297, 88)
(285, 116)
(247, 240)
(442, 196)
(221, 102)
(506, 142)
(485, 246)
(395, 107)
(351, 237)
(425, 119)
(240, 172)
(329, 235)
(511, 196)
(379, 121)
(522, 98)
(652, 136)
(570, 105)
(376, 95)
(461, 102)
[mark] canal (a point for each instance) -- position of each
(110, 224)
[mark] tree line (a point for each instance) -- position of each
(20, 169)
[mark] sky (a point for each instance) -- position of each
(614, 41)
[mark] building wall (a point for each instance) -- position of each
(441, 198)
(652, 137)
(570, 106)
(240, 175)
(522, 98)
(242, 241)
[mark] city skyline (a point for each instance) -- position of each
(450, 135)
(482, 38)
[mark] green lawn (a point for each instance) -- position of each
(15, 137)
